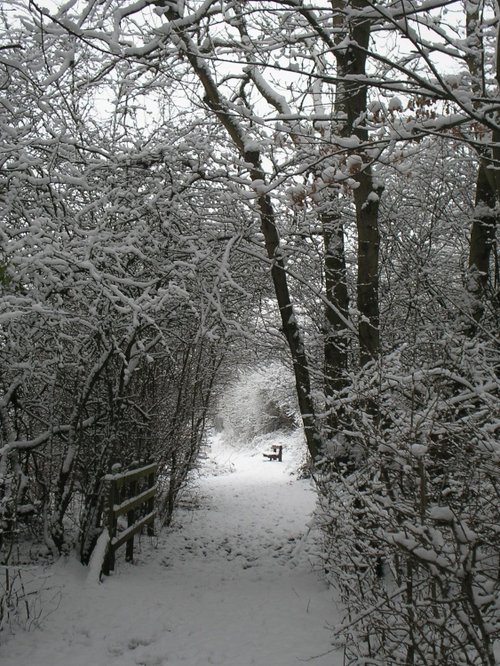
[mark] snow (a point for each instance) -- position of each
(230, 583)
(442, 514)
(354, 163)
(97, 558)
(395, 104)
(419, 450)
(259, 186)
(252, 146)
(277, 100)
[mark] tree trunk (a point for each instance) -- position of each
(483, 230)
(290, 327)
(352, 103)
(367, 205)
(482, 238)
(336, 334)
(251, 155)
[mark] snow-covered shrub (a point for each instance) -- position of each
(258, 402)
(411, 536)
(103, 356)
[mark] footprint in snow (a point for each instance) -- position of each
(134, 643)
(150, 660)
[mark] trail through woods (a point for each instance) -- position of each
(230, 583)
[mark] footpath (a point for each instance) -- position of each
(229, 584)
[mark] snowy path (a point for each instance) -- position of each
(233, 587)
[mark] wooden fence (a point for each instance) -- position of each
(131, 493)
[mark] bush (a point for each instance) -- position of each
(411, 536)
(258, 402)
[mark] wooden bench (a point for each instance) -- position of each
(276, 454)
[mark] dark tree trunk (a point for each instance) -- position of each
(482, 239)
(291, 330)
(337, 333)
(352, 102)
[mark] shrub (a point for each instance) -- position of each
(411, 536)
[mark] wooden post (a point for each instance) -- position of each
(109, 561)
(150, 530)
(129, 553)
(127, 493)
(280, 454)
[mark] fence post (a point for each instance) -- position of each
(150, 530)
(125, 494)
(129, 552)
(109, 561)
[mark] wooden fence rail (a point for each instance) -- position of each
(123, 497)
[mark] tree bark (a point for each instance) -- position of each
(483, 229)
(352, 103)
(336, 334)
(482, 238)
(368, 267)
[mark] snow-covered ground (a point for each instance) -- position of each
(229, 584)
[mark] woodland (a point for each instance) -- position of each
(289, 203)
